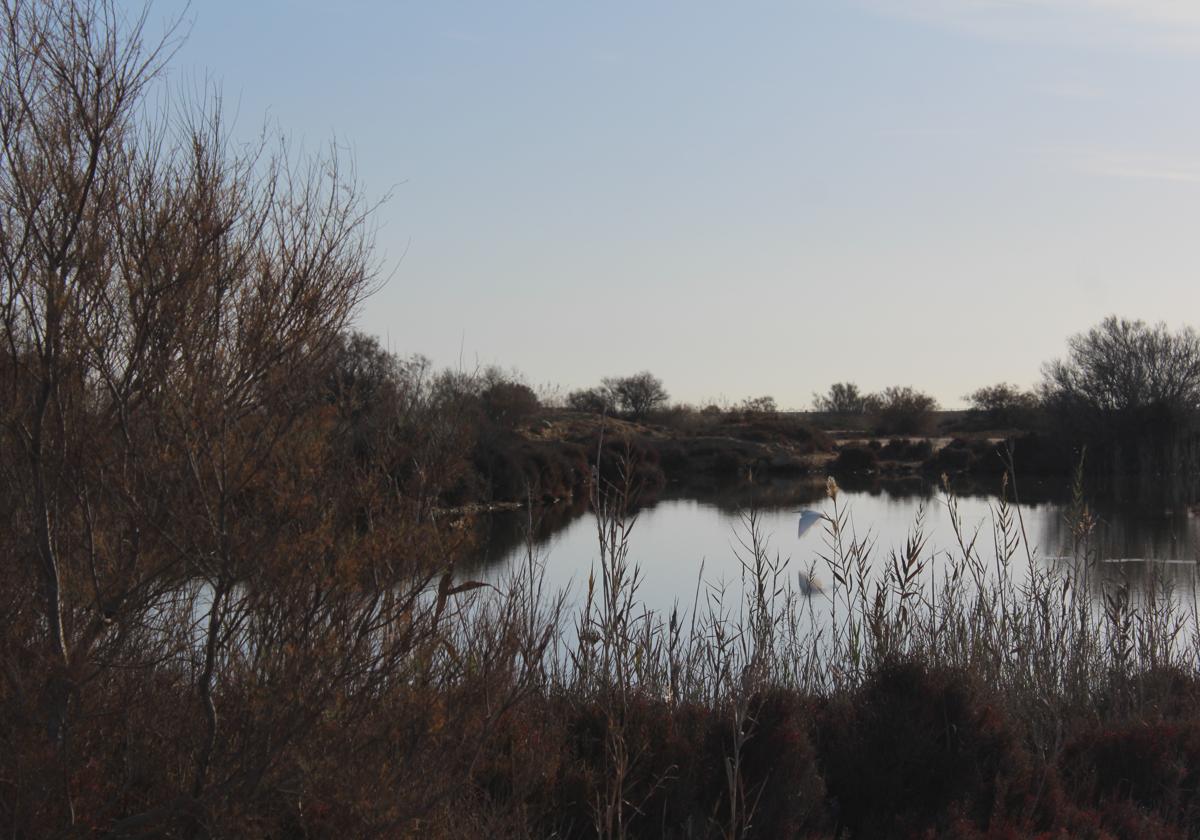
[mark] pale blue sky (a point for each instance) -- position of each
(746, 198)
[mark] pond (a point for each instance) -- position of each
(680, 540)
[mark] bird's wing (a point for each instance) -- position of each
(808, 518)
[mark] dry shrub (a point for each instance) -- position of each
(855, 459)
(957, 456)
(515, 470)
(903, 449)
(917, 748)
(778, 428)
(553, 760)
(508, 404)
(1040, 454)
(616, 459)
(672, 779)
(1142, 778)
(780, 766)
(904, 410)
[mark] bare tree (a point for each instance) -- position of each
(1003, 403)
(176, 513)
(903, 409)
(842, 398)
(1130, 393)
(592, 400)
(637, 395)
(1122, 365)
(759, 405)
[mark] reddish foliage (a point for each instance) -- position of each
(1142, 778)
(917, 751)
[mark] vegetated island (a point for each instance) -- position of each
(548, 456)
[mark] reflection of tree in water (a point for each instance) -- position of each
(500, 535)
(1123, 530)
(1148, 547)
(780, 495)
(1030, 491)
(736, 496)
(1121, 534)
(1156, 494)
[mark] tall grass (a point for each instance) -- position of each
(1048, 626)
(982, 692)
(1036, 656)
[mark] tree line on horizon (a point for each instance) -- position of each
(1114, 377)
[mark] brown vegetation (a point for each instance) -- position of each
(231, 604)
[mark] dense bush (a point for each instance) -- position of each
(792, 430)
(855, 459)
(914, 750)
(1139, 777)
(592, 401)
(516, 470)
(1003, 405)
(759, 405)
(1131, 393)
(1121, 366)
(901, 449)
(1042, 455)
(959, 456)
(844, 398)
(508, 404)
(637, 395)
(905, 411)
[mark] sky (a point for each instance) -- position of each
(743, 198)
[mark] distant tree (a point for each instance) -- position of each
(905, 410)
(842, 398)
(592, 400)
(637, 395)
(361, 381)
(360, 373)
(1121, 366)
(1131, 393)
(1003, 403)
(506, 404)
(760, 405)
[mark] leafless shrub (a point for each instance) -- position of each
(843, 398)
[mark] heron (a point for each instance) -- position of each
(809, 585)
(808, 518)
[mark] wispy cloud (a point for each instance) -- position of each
(1138, 167)
(1169, 12)
(1139, 24)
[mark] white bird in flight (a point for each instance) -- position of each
(808, 518)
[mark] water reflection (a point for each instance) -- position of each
(683, 533)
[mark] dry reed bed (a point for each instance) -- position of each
(995, 694)
(989, 695)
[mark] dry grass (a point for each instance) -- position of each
(965, 692)
(987, 693)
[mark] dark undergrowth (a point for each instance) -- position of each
(1007, 697)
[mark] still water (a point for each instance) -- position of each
(694, 537)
